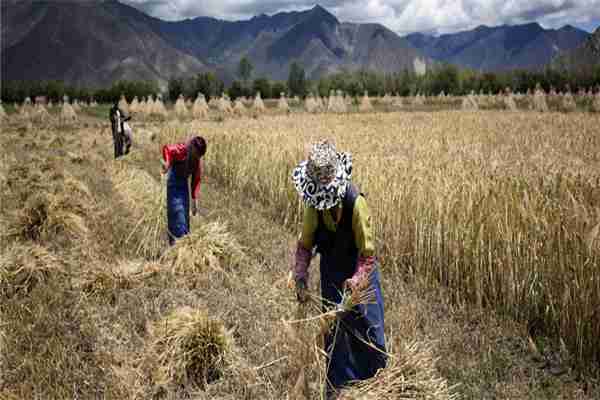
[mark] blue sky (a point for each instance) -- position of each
(402, 16)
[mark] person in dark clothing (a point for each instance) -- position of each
(337, 223)
(181, 161)
(120, 139)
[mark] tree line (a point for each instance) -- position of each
(444, 78)
(18, 91)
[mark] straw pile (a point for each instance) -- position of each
(192, 349)
(310, 104)
(365, 103)
(200, 107)
(181, 110)
(23, 267)
(419, 100)
(539, 100)
(282, 104)
(67, 114)
(336, 102)
(397, 101)
(158, 108)
(134, 107)
(209, 247)
(409, 375)
(239, 108)
(40, 114)
(76, 106)
(224, 105)
(568, 102)
(469, 103)
(509, 101)
(123, 104)
(258, 104)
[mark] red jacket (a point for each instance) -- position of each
(179, 153)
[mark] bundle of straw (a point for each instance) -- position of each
(192, 348)
(282, 104)
(596, 104)
(181, 110)
(209, 246)
(22, 267)
(365, 103)
(410, 375)
(568, 102)
(258, 104)
(200, 107)
(239, 109)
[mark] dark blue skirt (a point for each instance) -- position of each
(357, 347)
(178, 206)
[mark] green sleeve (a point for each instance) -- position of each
(310, 223)
(363, 231)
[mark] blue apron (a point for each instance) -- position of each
(352, 358)
(178, 205)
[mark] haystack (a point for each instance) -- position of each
(239, 108)
(158, 108)
(23, 267)
(412, 374)
(539, 100)
(469, 103)
(76, 106)
(568, 102)
(336, 102)
(387, 99)
(310, 104)
(200, 107)
(180, 109)
(40, 114)
(419, 100)
(2, 112)
(67, 114)
(508, 100)
(224, 104)
(219, 251)
(397, 101)
(192, 349)
(365, 103)
(134, 107)
(123, 104)
(282, 104)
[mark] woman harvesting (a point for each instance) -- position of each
(336, 222)
(181, 161)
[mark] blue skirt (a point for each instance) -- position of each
(178, 206)
(357, 348)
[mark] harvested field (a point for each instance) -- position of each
(486, 224)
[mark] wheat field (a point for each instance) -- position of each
(487, 225)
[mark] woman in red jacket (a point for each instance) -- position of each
(181, 161)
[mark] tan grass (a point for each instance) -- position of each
(484, 201)
(23, 267)
(409, 375)
(192, 348)
(208, 247)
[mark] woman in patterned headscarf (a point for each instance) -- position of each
(336, 222)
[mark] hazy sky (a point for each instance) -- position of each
(402, 16)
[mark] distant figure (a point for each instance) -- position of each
(120, 137)
(179, 162)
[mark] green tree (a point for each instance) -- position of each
(245, 69)
(263, 86)
(297, 83)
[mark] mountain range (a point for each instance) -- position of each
(582, 58)
(99, 42)
(500, 48)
